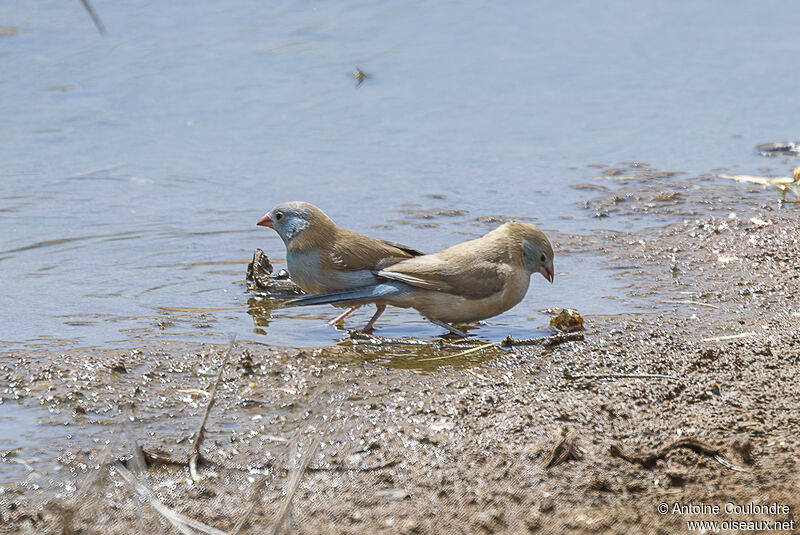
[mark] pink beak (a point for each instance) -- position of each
(548, 272)
(265, 221)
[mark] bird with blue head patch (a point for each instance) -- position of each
(324, 257)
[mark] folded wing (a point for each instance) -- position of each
(355, 252)
(472, 278)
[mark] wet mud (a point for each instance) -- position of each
(693, 402)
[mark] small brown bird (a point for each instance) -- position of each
(323, 257)
(470, 281)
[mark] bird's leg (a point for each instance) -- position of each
(343, 315)
(448, 327)
(368, 327)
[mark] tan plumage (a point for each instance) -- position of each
(344, 249)
(470, 281)
(475, 268)
(473, 280)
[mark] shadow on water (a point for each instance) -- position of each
(260, 309)
(407, 353)
(426, 358)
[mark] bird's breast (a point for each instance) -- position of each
(311, 273)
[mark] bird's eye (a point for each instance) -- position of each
(278, 216)
(544, 258)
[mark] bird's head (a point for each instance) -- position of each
(291, 218)
(537, 251)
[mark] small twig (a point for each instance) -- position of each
(648, 460)
(697, 303)
(621, 376)
(194, 455)
(360, 337)
(731, 337)
(95, 17)
(27, 465)
(255, 497)
(157, 457)
(192, 391)
(462, 353)
(508, 341)
(138, 466)
(476, 374)
(546, 341)
(380, 466)
(137, 462)
(294, 483)
(564, 449)
(296, 474)
(371, 468)
(181, 522)
(727, 463)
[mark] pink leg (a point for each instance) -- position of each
(342, 316)
(378, 312)
(449, 327)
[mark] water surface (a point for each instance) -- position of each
(136, 165)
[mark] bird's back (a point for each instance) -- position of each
(473, 269)
(326, 258)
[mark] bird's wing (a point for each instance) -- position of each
(410, 250)
(474, 279)
(355, 252)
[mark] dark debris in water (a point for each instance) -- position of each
(785, 148)
(500, 219)
(651, 195)
(360, 76)
(260, 278)
(9, 31)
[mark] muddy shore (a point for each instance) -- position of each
(694, 403)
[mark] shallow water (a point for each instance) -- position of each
(136, 165)
(27, 442)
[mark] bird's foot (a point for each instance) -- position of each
(368, 328)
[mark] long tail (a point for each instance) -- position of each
(364, 294)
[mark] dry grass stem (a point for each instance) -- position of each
(194, 454)
(294, 482)
(182, 523)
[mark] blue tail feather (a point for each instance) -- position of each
(363, 294)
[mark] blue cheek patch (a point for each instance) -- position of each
(293, 226)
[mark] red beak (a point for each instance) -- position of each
(548, 273)
(265, 221)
